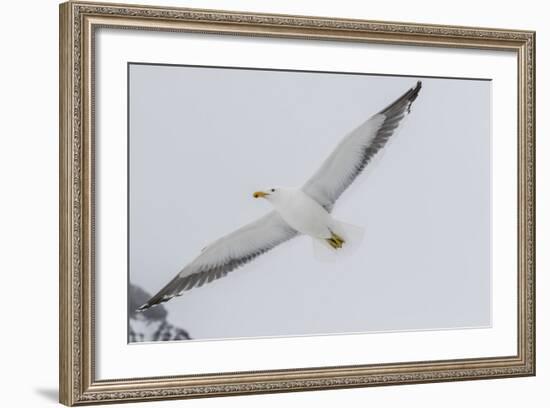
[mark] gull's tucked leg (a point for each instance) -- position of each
(340, 240)
(335, 240)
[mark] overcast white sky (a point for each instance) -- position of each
(202, 140)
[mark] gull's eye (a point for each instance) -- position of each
(272, 190)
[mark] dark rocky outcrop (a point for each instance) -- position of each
(151, 324)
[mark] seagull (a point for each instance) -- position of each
(303, 211)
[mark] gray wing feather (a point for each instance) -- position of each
(356, 150)
(225, 255)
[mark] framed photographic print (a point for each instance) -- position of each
(256, 203)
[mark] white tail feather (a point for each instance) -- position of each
(352, 236)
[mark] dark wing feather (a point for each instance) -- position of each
(225, 255)
(356, 150)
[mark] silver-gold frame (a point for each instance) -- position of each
(78, 22)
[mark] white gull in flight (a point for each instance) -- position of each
(304, 211)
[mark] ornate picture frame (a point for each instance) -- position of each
(79, 23)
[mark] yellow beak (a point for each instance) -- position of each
(259, 194)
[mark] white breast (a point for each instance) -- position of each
(303, 213)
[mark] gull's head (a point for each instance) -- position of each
(271, 194)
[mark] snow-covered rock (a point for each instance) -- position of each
(151, 324)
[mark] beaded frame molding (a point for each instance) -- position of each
(78, 22)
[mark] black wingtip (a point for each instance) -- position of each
(142, 308)
(146, 306)
(413, 94)
(404, 102)
(153, 302)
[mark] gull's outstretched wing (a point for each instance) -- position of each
(355, 151)
(226, 254)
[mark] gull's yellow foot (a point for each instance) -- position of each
(335, 240)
